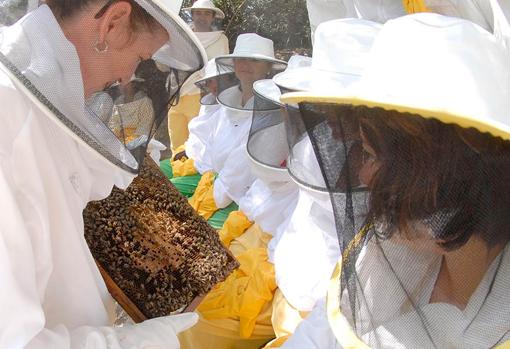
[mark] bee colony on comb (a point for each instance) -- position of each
(155, 252)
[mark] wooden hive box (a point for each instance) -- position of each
(156, 254)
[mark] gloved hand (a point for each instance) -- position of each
(158, 333)
(155, 148)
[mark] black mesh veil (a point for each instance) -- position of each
(425, 255)
(209, 87)
(118, 122)
(267, 144)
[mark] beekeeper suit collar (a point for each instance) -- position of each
(27, 44)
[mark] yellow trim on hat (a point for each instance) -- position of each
(415, 6)
(505, 345)
(495, 128)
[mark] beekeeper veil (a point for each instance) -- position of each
(426, 265)
(350, 39)
(119, 121)
(267, 142)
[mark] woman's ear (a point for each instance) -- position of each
(115, 26)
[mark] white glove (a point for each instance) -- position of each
(158, 333)
(154, 149)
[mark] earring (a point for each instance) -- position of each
(101, 48)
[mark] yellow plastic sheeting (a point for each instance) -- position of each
(203, 198)
(415, 6)
(183, 167)
(285, 319)
(249, 290)
(235, 225)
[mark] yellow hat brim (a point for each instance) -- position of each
(493, 127)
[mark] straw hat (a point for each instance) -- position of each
(339, 55)
(206, 5)
(435, 66)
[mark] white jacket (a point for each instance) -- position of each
(52, 294)
(374, 10)
(228, 150)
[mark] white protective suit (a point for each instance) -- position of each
(270, 205)
(307, 250)
(477, 11)
(311, 232)
(201, 134)
(228, 150)
(51, 294)
(489, 304)
(374, 10)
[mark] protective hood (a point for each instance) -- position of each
(116, 123)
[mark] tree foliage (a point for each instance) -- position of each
(283, 21)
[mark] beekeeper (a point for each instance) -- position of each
(272, 196)
(310, 230)
(253, 59)
(203, 13)
(64, 68)
(429, 265)
(193, 158)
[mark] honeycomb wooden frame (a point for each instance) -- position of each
(155, 253)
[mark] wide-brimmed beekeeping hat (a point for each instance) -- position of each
(206, 5)
(456, 72)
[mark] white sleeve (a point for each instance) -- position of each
(314, 332)
(234, 179)
(22, 319)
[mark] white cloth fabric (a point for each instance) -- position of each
(493, 15)
(501, 15)
(228, 150)
(374, 10)
(154, 150)
(477, 11)
(314, 332)
(307, 251)
(269, 206)
(231, 131)
(234, 179)
(483, 323)
(52, 294)
(201, 134)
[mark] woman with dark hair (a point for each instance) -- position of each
(427, 264)
(64, 68)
